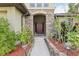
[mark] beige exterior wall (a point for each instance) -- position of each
(17, 22)
(75, 20)
(14, 17)
(63, 18)
(3, 14)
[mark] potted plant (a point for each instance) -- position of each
(25, 37)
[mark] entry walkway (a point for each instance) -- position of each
(40, 47)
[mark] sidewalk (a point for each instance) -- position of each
(40, 47)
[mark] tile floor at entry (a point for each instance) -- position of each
(40, 48)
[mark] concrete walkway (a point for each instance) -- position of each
(40, 47)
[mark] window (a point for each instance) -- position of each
(32, 4)
(39, 4)
(46, 4)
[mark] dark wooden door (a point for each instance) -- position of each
(39, 28)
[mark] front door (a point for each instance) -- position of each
(39, 24)
(39, 28)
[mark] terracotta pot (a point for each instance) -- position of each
(26, 47)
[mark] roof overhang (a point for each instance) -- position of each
(20, 6)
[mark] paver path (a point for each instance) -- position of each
(40, 47)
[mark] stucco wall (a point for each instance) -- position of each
(3, 14)
(75, 20)
(14, 17)
(17, 22)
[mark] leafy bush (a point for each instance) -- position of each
(73, 38)
(7, 37)
(64, 30)
(4, 25)
(25, 36)
(57, 25)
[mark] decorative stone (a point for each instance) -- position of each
(67, 45)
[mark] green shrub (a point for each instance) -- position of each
(64, 30)
(7, 37)
(26, 35)
(73, 38)
(62, 27)
(4, 25)
(57, 25)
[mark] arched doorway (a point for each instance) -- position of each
(39, 24)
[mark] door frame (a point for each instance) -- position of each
(44, 29)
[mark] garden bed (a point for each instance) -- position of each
(20, 51)
(60, 46)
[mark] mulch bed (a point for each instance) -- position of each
(20, 51)
(60, 47)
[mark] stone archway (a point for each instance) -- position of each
(39, 24)
(49, 18)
